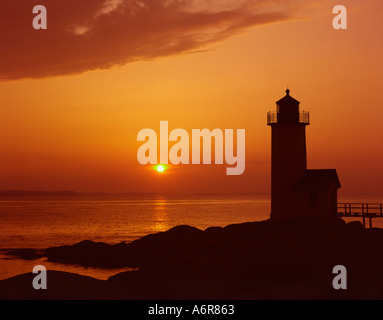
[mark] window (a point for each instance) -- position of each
(313, 199)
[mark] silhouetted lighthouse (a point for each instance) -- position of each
(296, 191)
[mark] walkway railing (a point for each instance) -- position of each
(361, 210)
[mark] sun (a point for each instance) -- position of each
(160, 168)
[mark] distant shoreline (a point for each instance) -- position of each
(38, 193)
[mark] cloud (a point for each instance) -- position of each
(99, 34)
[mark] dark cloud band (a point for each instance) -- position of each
(97, 34)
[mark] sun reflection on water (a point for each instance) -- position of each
(160, 216)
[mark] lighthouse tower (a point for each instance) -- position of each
(289, 162)
(295, 191)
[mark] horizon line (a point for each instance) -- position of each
(15, 192)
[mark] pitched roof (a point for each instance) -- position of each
(287, 99)
(317, 180)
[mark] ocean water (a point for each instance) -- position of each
(41, 222)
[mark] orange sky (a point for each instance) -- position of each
(71, 107)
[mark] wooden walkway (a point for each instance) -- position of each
(361, 210)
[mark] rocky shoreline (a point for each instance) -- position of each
(255, 260)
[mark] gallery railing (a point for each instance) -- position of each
(273, 117)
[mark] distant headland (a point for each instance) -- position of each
(37, 193)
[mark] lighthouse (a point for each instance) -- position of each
(295, 191)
